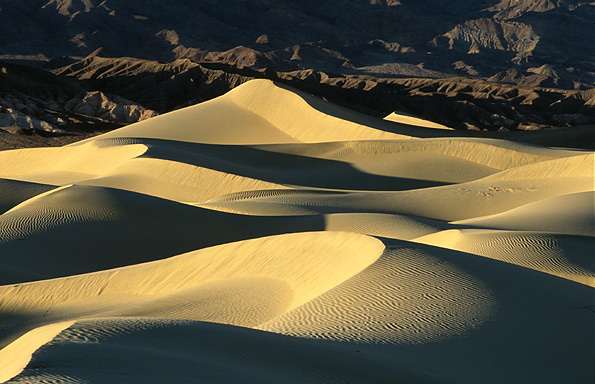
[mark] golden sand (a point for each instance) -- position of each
(270, 236)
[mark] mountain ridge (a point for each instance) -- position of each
(514, 65)
(336, 36)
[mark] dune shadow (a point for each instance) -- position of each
(343, 113)
(278, 167)
(146, 229)
(14, 192)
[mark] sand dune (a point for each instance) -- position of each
(13, 192)
(88, 228)
(142, 348)
(566, 256)
(504, 192)
(225, 284)
(261, 106)
(572, 214)
(269, 236)
(405, 118)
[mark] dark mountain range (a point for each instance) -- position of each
(462, 37)
(454, 101)
(484, 65)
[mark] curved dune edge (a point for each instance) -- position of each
(245, 283)
(73, 223)
(408, 296)
(578, 166)
(255, 113)
(492, 153)
(504, 190)
(383, 225)
(177, 181)
(65, 164)
(448, 203)
(271, 101)
(15, 356)
(35, 200)
(105, 350)
(14, 192)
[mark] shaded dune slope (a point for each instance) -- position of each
(269, 236)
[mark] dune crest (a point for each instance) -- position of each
(208, 275)
(17, 355)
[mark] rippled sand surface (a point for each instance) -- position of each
(269, 236)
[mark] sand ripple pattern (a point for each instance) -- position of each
(567, 256)
(193, 350)
(44, 212)
(407, 297)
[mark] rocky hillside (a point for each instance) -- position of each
(402, 38)
(36, 102)
(103, 93)
(72, 66)
(456, 102)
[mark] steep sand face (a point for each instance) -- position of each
(268, 236)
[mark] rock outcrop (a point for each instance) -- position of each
(33, 99)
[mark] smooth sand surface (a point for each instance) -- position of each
(270, 236)
(405, 118)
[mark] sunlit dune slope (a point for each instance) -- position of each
(412, 302)
(258, 112)
(571, 214)
(270, 236)
(405, 118)
(566, 256)
(226, 284)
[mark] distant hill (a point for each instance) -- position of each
(72, 66)
(436, 38)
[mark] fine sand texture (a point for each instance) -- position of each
(268, 236)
